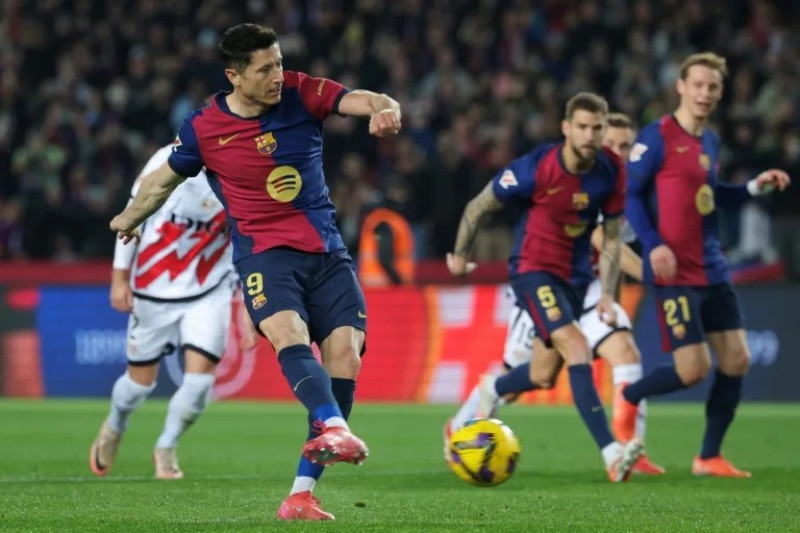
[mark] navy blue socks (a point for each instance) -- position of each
(588, 403)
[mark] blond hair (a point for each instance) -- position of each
(707, 59)
(619, 120)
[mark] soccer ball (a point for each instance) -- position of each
(483, 452)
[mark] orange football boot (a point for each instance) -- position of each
(717, 467)
(644, 465)
(302, 506)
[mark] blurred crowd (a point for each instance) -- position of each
(90, 88)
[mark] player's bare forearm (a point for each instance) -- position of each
(610, 255)
(153, 192)
(630, 262)
(360, 103)
(486, 202)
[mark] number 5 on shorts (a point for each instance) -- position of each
(546, 296)
(255, 283)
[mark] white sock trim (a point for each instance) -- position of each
(336, 421)
(611, 453)
(302, 484)
(626, 373)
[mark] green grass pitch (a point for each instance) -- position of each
(240, 458)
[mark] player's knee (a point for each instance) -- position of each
(575, 350)
(286, 333)
(735, 363)
(344, 362)
(629, 355)
(694, 372)
(543, 378)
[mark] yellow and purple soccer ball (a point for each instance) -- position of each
(483, 452)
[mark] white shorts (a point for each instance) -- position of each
(157, 328)
(519, 339)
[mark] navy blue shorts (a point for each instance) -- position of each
(322, 288)
(551, 301)
(686, 314)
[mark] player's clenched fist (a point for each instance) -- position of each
(385, 123)
(663, 261)
(124, 231)
(459, 266)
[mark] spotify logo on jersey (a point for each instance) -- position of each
(284, 183)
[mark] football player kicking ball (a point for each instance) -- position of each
(174, 302)
(672, 199)
(261, 146)
(564, 188)
(615, 344)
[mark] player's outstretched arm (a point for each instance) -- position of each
(382, 110)
(153, 192)
(486, 202)
(629, 261)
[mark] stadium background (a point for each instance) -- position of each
(89, 89)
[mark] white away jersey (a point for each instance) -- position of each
(185, 246)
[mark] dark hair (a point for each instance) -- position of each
(619, 120)
(239, 42)
(591, 102)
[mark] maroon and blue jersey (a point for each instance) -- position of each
(673, 192)
(267, 170)
(560, 210)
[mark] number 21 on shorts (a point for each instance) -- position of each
(673, 307)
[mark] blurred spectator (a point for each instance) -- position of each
(89, 87)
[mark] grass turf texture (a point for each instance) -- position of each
(240, 459)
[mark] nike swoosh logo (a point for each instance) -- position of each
(551, 191)
(361, 315)
(299, 382)
(682, 149)
(226, 140)
(597, 409)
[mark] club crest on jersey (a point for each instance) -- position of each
(705, 162)
(258, 301)
(508, 179)
(553, 314)
(679, 331)
(580, 200)
(704, 199)
(266, 143)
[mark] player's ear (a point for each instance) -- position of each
(680, 85)
(233, 76)
(565, 127)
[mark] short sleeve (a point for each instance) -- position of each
(615, 203)
(320, 96)
(185, 159)
(517, 181)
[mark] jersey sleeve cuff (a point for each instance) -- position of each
(338, 99)
(182, 172)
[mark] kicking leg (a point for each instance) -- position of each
(574, 348)
(620, 351)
